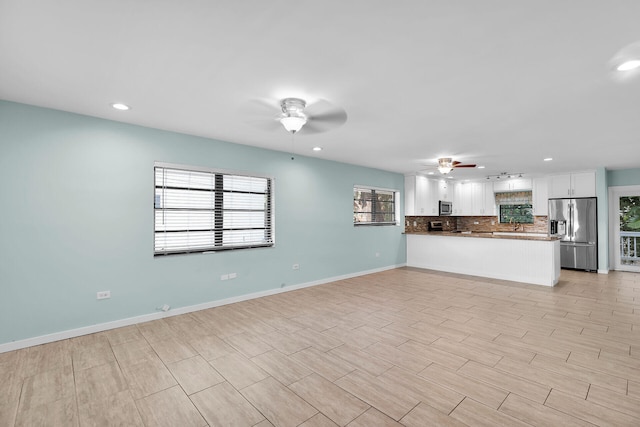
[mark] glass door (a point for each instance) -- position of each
(626, 236)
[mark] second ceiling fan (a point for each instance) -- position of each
(447, 164)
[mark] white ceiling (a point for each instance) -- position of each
(500, 83)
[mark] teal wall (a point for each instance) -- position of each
(602, 193)
(77, 218)
(617, 178)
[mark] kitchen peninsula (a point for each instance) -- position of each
(521, 257)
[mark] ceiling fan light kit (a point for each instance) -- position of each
(293, 118)
(447, 164)
(293, 123)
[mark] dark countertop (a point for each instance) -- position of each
(486, 235)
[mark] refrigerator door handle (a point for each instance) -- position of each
(570, 228)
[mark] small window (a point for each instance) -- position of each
(199, 210)
(521, 214)
(374, 206)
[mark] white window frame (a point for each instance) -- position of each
(210, 229)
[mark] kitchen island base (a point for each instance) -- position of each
(529, 261)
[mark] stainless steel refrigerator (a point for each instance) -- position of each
(575, 222)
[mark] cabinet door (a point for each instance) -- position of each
(433, 197)
(489, 199)
(421, 195)
(501, 186)
(463, 198)
(444, 193)
(583, 184)
(457, 198)
(541, 196)
(559, 186)
(410, 195)
(520, 184)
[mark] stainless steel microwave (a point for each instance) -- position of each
(445, 208)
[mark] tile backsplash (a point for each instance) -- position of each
(422, 223)
(468, 223)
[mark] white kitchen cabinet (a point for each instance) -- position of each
(483, 199)
(582, 184)
(513, 184)
(423, 194)
(410, 195)
(445, 190)
(473, 199)
(432, 206)
(541, 196)
(462, 198)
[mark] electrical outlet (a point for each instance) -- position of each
(232, 275)
(224, 277)
(296, 266)
(103, 295)
(476, 222)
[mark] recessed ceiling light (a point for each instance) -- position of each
(119, 106)
(317, 148)
(480, 167)
(548, 159)
(629, 65)
(430, 173)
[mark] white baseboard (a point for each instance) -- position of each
(71, 333)
(603, 271)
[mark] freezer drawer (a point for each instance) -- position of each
(579, 256)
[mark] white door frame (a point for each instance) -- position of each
(614, 225)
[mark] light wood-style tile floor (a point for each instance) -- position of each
(402, 347)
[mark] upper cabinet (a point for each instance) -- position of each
(421, 195)
(474, 199)
(477, 198)
(516, 184)
(410, 195)
(462, 198)
(581, 184)
(541, 196)
(483, 201)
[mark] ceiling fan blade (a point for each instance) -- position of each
(261, 113)
(455, 163)
(464, 166)
(325, 112)
(315, 127)
(264, 124)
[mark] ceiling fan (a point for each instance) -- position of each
(447, 164)
(295, 115)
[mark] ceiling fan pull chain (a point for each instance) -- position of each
(292, 146)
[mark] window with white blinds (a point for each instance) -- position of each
(201, 210)
(373, 206)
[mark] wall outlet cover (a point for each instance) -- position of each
(103, 295)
